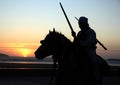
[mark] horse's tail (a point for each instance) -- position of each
(103, 64)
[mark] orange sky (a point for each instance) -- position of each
(23, 23)
(18, 49)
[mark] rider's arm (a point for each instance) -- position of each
(90, 39)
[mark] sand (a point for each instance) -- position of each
(44, 80)
(40, 75)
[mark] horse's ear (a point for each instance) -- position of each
(49, 31)
(42, 41)
(53, 29)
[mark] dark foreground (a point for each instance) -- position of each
(45, 80)
(35, 80)
(41, 75)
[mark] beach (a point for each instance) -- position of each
(32, 72)
(38, 80)
(42, 76)
(45, 80)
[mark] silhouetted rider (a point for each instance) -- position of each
(86, 41)
(86, 38)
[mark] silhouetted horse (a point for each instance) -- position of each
(69, 71)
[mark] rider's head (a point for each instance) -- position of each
(83, 23)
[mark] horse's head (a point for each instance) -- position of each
(53, 44)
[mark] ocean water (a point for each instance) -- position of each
(29, 60)
(25, 63)
(48, 60)
(113, 62)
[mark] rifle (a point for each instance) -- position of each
(72, 31)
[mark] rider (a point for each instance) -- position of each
(86, 41)
(86, 38)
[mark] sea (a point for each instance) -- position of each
(26, 60)
(25, 63)
(33, 62)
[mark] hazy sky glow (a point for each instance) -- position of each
(23, 23)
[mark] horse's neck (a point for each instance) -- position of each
(64, 49)
(65, 57)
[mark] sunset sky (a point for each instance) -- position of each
(23, 23)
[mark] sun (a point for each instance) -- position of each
(25, 52)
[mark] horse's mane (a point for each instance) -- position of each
(54, 35)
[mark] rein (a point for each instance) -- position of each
(53, 71)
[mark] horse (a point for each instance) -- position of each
(64, 53)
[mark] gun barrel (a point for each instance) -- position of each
(76, 18)
(101, 44)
